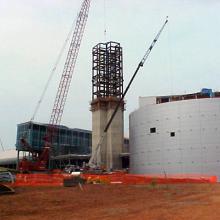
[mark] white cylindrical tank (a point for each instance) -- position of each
(178, 137)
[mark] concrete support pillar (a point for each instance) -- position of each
(107, 90)
(98, 125)
(109, 154)
(114, 140)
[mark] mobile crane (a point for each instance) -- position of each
(94, 162)
(40, 160)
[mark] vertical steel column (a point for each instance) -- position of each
(107, 70)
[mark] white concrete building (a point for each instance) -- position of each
(176, 134)
(8, 158)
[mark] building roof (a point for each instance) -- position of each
(58, 126)
(204, 93)
(8, 154)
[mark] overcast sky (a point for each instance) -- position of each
(185, 59)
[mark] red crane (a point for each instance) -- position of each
(40, 160)
(69, 64)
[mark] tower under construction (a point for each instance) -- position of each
(107, 89)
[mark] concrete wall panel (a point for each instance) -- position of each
(195, 146)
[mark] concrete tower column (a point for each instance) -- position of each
(107, 81)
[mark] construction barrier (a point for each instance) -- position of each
(40, 179)
(122, 178)
(57, 179)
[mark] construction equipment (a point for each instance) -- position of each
(6, 178)
(94, 162)
(40, 159)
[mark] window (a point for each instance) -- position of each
(172, 134)
(152, 130)
(165, 99)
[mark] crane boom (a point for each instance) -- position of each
(93, 160)
(52, 72)
(66, 77)
(41, 159)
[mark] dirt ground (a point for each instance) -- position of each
(153, 202)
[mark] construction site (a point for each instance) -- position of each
(167, 167)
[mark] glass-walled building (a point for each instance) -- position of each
(66, 141)
(70, 145)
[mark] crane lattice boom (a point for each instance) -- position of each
(40, 160)
(65, 81)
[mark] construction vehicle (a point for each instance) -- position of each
(39, 160)
(94, 162)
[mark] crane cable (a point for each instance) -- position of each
(53, 70)
(93, 159)
(3, 149)
(105, 29)
(170, 60)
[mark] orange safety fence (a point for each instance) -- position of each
(145, 179)
(40, 179)
(56, 179)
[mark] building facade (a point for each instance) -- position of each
(69, 146)
(176, 134)
(67, 141)
(72, 146)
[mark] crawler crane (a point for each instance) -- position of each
(40, 160)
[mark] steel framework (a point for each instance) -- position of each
(107, 70)
(43, 158)
(93, 162)
(65, 81)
